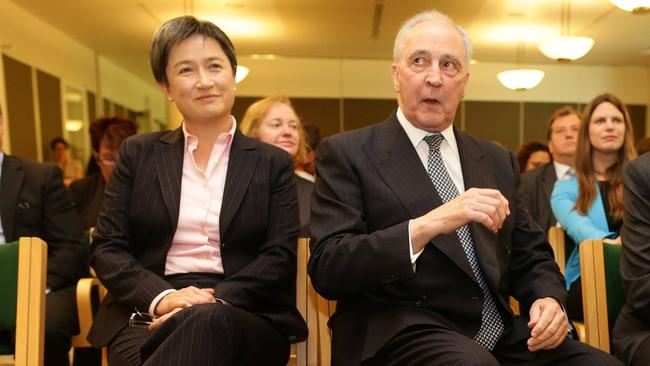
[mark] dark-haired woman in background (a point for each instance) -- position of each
(198, 226)
(590, 205)
(106, 136)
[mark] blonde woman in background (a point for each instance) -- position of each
(274, 121)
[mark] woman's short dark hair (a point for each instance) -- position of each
(114, 129)
(178, 29)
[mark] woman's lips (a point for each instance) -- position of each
(207, 97)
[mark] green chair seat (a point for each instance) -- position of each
(8, 291)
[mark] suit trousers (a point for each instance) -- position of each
(432, 345)
(61, 323)
(205, 334)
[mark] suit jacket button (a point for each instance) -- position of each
(418, 303)
(475, 298)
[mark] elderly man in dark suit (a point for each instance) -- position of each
(536, 185)
(632, 328)
(34, 202)
(420, 237)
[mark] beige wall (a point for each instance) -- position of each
(309, 77)
(28, 39)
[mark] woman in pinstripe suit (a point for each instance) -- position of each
(199, 225)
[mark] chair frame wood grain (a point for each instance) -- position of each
(30, 302)
(594, 294)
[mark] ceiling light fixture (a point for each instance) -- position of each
(520, 79)
(564, 47)
(633, 6)
(242, 72)
(74, 125)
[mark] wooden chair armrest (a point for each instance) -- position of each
(84, 310)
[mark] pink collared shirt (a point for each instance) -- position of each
(196, 246)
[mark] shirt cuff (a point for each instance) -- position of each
(414, 256)
(157, 299)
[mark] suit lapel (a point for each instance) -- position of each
(478, 173)
(548, 181)
(169, 167)
(12, 180)
(401, 168)
(241, 165)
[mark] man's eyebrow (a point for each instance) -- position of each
(420, 53)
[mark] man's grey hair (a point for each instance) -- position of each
(434, 16)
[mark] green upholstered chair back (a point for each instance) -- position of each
(615, 296)
(8, 291)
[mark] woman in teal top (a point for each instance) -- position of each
(590, 205)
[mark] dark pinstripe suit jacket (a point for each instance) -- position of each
(370, 183)
(632, 326)
(258, 227)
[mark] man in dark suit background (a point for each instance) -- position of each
(631, 335)
(34, 202)
(536, 185)
(422, 274)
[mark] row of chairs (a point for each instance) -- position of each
(602, 292)
(23, 268)
(23, 276)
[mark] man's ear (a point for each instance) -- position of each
(395, 76)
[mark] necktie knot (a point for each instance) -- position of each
(434, 140)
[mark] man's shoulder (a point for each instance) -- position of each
(643, 161)
(486, 146)
(538, 173)
(365, 135)
(30, 166)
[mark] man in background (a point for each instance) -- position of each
(34, 202)
(536, 185)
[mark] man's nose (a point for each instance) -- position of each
(434, 75)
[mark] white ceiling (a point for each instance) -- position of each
(121, 30)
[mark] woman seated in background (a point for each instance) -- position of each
(273, 120)
(531, 155)
(590, 205)
(106, 136)
(199, 225)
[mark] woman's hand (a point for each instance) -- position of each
(156, 323)
(184, 298)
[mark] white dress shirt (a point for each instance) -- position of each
(563, 171)
(448, 151)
